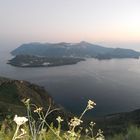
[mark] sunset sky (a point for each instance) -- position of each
(114, 23)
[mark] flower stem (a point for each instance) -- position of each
(15, 134)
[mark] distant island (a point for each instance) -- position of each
(57, 54)
(36, 61)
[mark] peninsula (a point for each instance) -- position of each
(37, 61)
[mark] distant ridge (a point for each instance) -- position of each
(81, 49)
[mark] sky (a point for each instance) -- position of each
(113, 23)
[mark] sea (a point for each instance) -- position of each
(113, 84)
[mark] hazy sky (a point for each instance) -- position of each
(107, 22)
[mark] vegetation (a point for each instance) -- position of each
(11, 93)
(29, 128)
(133, 133)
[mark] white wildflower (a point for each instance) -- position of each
(100, 135)
(38, 110)
(92, 124)
(27, 100)
(91, 104)
(20, 120)
(75, 122)
(59, 119)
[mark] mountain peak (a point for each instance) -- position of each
(84, 42)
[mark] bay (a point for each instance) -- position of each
(113, 84)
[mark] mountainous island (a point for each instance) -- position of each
(57, 54)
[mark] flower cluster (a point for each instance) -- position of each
(59, 119)
(75, 122)
(100, 135)
(92, 124)
(38, 110)
(20, 120)
(91, 104)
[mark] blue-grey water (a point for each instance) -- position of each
(113, 84)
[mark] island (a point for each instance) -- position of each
(58, 54)
(38, 61)
(77, 50)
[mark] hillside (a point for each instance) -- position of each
(82, 49)
(119, 122)
(13, 91)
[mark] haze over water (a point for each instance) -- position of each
(113, 84)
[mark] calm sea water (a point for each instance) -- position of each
(113, 84)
